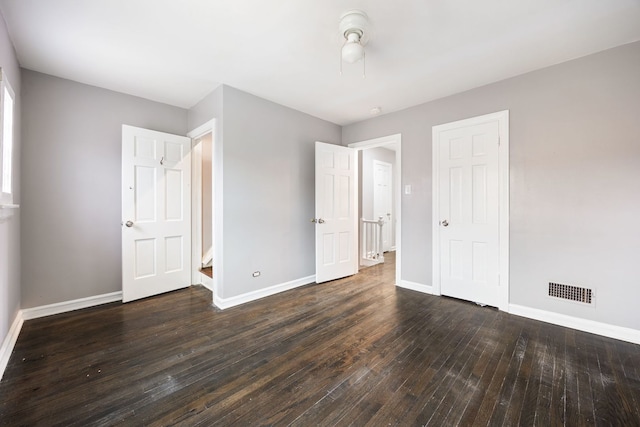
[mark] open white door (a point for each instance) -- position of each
(336, 212)
(156, 212)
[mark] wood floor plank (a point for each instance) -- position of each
(629, 363)
(572, 400)
(578, 364)
(516, 401)
(356, 351)
(493, 388)
(558, 402)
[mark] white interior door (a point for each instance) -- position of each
(156, 212)
(468, 203)
(336, 212)
(382, 203)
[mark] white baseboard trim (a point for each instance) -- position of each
(364, 263)
(206, 281)
(591, 326)
(426, 289)
(224, 303)
(10, 342)
(65, 306)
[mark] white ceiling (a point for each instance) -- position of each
(287, 51)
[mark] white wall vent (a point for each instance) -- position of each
(572, 293)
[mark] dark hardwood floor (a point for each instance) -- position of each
(356, 351)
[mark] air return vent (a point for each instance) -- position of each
(572, 293)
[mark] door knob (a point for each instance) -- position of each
(129, 223)
(314, 220)
(444, 223)
(321, 221)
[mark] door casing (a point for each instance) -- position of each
(397, 183)
(503, 200)
(196, 200)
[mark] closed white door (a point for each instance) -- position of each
(382, 200)
(468, 211)
(336, 212)
(156, 212)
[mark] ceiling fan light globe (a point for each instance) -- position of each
(352, 52)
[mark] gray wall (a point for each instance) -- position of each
(575, 180)
(71, 173)
(268, 190)
(10, 219)
(208, 108)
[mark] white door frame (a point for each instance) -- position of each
(397, 178)
(503, 195)
(216, 213)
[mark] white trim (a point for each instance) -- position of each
(380, 142)
(202, 130)
(504, 166)
(503, 210)
(377, 142)
(66, 306)
(224, 303)
(585, 325)
(217, 198)
(206, 281)
(10, 341)
(425, 289)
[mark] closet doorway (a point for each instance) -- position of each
(203, 212)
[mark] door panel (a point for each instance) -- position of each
(156, 203)
(382, 200)
(336, 212)
(469, 205)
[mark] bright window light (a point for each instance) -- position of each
(7, 117)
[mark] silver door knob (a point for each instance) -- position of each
(444, 223)
(321, 221)
(314, 220)
(129, 223)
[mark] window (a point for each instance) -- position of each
(7, 106)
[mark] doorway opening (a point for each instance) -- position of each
(206, 204)
(203, 213)
(379, 207)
